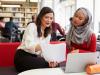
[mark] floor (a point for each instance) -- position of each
(8, 71)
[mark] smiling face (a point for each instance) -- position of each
(47, 20)
(79, 18)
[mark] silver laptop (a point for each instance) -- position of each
(76, 62)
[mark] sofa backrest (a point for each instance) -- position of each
(7, 52)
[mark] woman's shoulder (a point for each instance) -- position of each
(31, 26)
(93, 36)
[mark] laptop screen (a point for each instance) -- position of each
(76, 62)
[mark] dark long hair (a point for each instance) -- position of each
(43, 12)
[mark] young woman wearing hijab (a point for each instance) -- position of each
(80, 37)
(29, 53)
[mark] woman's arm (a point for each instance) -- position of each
(92, 46)
(62, 32)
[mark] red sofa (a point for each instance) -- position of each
(7, 51)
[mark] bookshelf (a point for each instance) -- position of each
(21, 15)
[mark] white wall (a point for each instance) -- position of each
(63, 11)
(97, 17)
(48, 3)
(59, 13)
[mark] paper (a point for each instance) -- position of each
(54, 52)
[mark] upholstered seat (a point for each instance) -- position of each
(7, 52)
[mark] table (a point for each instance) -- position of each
(49, 71)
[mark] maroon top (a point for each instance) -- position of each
(55, 27)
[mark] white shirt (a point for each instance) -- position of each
(30, 39)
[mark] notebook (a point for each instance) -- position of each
(76, 62)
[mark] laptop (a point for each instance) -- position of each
(76, 62)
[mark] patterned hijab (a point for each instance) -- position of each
(81, 33)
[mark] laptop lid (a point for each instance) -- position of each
(76, 62)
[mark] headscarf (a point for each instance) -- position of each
(81, 33)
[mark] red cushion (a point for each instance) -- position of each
(7, 52)
(57, 42)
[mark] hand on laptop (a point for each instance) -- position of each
(53, 64)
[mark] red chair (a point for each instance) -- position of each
(7, 52)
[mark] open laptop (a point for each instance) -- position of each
(76, 62)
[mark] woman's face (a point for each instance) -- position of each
(47, 20)
(78, 18)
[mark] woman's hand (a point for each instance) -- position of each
(53, 64)
(38, 48)
(75, 51)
